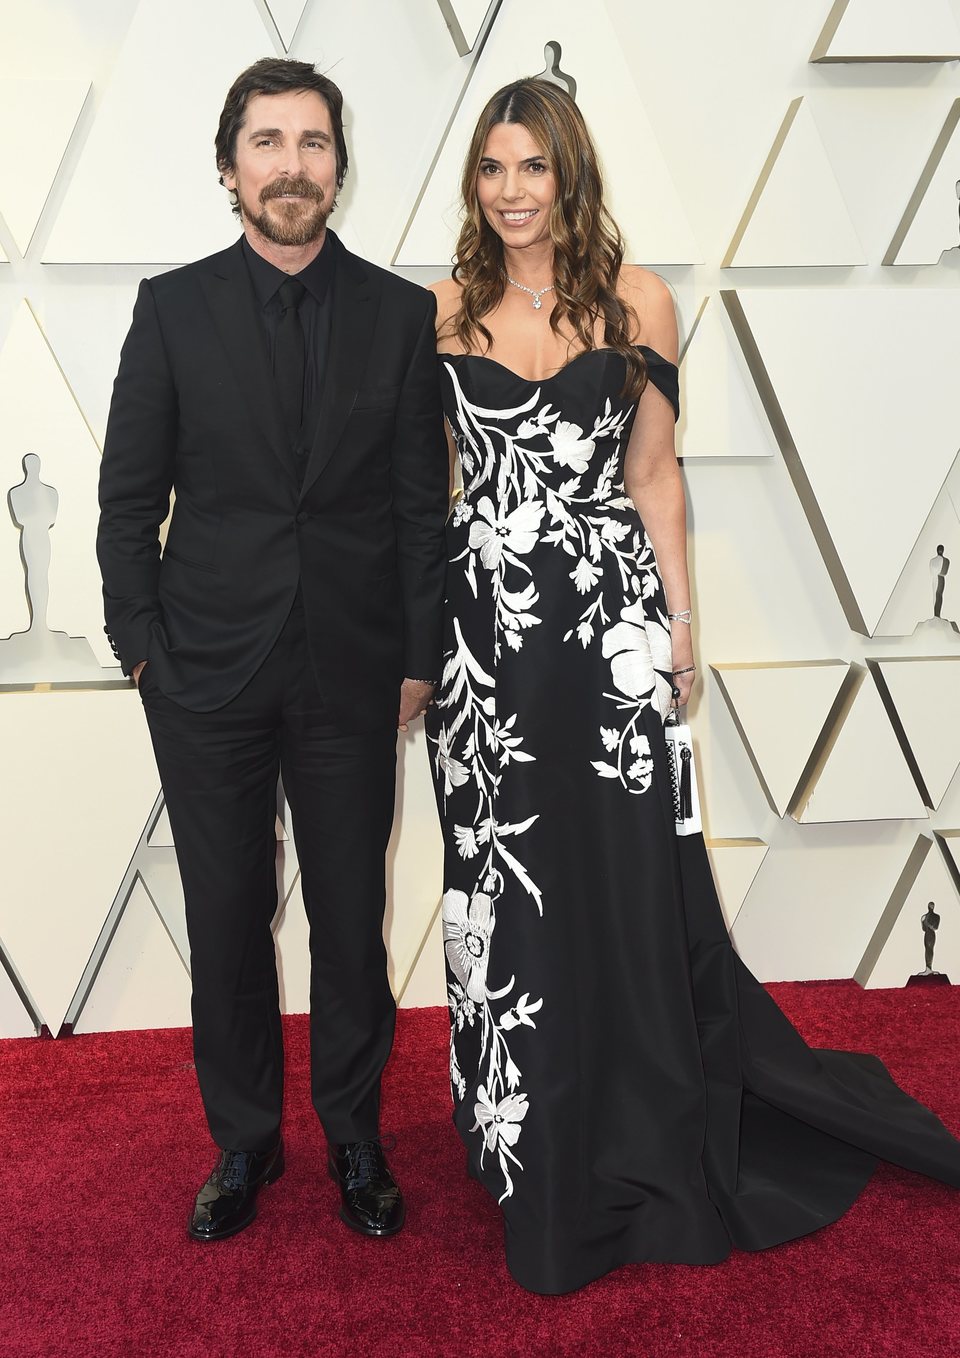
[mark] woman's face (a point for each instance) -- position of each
(515, 186)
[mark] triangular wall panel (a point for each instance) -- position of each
(862, 774)
(926, 598)
(735, 864)
(896, 951)
(796, 215)
(929, 224)
(949, 842)
(426, 984)
(80, 763)
(142, 982)
(29, 162)
(846, 416)
(721, 414)
(780, 710)
(286, 14)
(923, 699)
(15, 1017)
(146, 120)
(465, 20)
(653, 222)
(888, 30)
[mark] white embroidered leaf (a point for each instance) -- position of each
(584, 634)
(569, 488)
(610, 737)
(522, 876)
(604, 770)
(518, 829)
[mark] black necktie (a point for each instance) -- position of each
(288, 355)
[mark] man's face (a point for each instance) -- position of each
(285, 174)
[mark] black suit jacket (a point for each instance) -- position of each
(194, 410)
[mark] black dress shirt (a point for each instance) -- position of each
(314, 313)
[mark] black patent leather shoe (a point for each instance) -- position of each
(371, 1202)
(227, 1202)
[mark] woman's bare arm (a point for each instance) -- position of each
(651, 473)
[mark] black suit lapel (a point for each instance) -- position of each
(352, 320)
(232, 301)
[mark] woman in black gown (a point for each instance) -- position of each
(625, 1088)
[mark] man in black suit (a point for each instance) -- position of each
(287, 392)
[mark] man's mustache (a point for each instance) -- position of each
(303, 188)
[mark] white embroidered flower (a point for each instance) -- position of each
(466, 841)
(463, 511)
(467, 926)
(501, 1121)
(640, 744)
(569, 446)
(520, 1013)
(639, 647)
(495, 532)
(455, 774)
(585, 576)
(626, 646)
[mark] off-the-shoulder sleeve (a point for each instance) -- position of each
(664, 376)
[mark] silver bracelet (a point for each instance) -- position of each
(684, 615)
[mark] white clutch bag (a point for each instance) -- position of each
(683, 777)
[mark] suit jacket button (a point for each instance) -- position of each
(302, 516)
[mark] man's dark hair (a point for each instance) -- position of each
(276, 75)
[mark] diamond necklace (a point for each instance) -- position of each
(535, 293)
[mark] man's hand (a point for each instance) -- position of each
(136, 672)
(415, 698)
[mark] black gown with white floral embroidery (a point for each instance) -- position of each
(625, 1088)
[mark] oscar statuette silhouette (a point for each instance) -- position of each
(38, 655)
(930, 923)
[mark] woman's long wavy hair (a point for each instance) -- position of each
(588, 246)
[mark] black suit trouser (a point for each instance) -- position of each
(219, 773)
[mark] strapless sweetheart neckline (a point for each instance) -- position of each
(541, 381)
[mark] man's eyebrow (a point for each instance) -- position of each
(315, 134)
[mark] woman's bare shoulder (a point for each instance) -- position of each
(447, 293)
(652, 301)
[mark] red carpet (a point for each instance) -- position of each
(104, 1145)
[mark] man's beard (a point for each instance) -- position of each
(295, 223)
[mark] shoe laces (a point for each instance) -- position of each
(363, 1158)
(234, 1169)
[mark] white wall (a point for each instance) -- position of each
(820, 434)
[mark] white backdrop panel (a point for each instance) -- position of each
(655, 224)
(863, 384)
(172, 73)
(79, 763)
